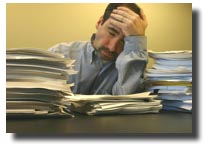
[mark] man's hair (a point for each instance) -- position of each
(112, 6)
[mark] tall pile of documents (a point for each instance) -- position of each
(171, 76)
(111, 104)
(37, 83)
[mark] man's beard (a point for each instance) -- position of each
(113, 55)
(100, 48)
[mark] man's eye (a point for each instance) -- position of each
(112, 34)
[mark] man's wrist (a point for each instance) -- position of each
(135, 42)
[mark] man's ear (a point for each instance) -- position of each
(99, 22)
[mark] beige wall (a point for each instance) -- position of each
(43, 25)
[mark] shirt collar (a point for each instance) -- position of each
(91, 49)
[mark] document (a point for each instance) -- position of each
(33, 52)
(171, 55)
(115, 104)
(37, 83)
(185, 106)
(144, 95)
(171, 77)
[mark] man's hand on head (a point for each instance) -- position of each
(128, 21)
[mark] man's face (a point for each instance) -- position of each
(109, 41)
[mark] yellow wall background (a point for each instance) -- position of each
(43, 25)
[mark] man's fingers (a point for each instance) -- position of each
(144, 18)
(130, 14)
(127, 10)
(122, 13)
(128, 21)
(143, 15)
(116, 23)
(119, 18)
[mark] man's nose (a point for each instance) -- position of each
(112, 44)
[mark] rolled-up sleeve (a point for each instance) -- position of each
(69, 50)
(131, 65)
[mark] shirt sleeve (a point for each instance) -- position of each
(70, 50)
(62, 48)
(131, 65)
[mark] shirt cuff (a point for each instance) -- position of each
(135, 43)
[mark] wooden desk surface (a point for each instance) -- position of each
(163, 123)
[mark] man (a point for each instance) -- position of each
(115, 60)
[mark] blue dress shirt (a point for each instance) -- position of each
(94, 76)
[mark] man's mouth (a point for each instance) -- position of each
(107, 54)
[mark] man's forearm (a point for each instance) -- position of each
(131, 65)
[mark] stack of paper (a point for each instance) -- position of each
(111, 104)
(171, 76)
(37, 82)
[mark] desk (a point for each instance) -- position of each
(164, 122)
